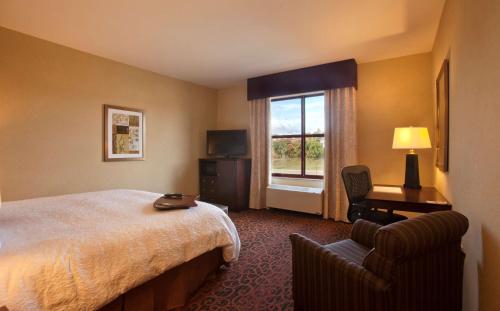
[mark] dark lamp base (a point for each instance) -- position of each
(412, 178)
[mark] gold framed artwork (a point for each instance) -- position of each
(124, 134)
(442, 117)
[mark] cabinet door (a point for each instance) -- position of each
(226, 182)
(208, 188)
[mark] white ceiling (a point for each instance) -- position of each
(219, 42)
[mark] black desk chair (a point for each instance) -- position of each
(358, 183)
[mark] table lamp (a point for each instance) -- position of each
(411, 138)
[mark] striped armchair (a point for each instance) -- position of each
(415, 264)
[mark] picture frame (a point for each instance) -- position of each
(124, 134)
(442, 117)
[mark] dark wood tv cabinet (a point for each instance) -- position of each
(225, 181)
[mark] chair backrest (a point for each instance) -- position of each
(357, 182)
(423, 258)
(416, 236)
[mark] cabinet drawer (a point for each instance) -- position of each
(208, 180)
(225, 181)
(208, 198)
(208, 191)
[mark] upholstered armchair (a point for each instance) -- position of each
(414, 264)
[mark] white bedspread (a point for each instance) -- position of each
(80, 251)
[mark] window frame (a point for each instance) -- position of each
(302, 137)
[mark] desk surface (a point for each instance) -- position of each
(424, 200)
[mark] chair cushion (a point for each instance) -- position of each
(349, 250)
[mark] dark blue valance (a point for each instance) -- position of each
(316, 78)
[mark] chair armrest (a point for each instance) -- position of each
(322, 280)
(363, 232)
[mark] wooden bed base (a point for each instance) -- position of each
(171, 289)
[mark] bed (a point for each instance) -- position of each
(104, 250)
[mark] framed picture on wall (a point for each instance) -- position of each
(124, 133)
(442, 117)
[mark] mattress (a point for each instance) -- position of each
(80, 251)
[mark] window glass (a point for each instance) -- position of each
(286, 117)
(286, 155)
(315, 156)
(315, 114)
(290, 135)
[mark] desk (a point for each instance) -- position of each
(412, 200)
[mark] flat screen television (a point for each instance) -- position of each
(227, 143)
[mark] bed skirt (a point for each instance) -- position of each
(171, 289)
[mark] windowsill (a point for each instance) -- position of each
(301, 182)
(296, 188)
(309, 177)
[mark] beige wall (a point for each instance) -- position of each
(470, 34)
(233, 112)
(391, 93)
(51, 102)
(394, 93)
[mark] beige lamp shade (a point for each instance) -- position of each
(411, 138)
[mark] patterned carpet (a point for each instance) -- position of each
(261, 279)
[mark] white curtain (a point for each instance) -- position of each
(340, 148)
(259, 142)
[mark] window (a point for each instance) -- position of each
(298, 136)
